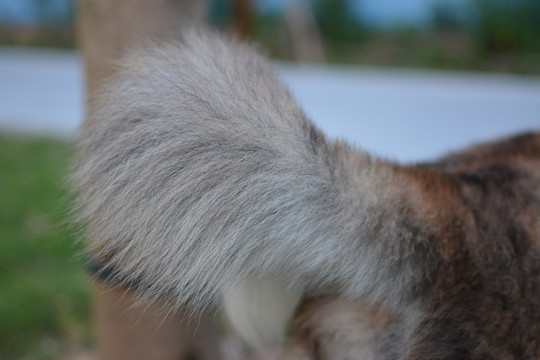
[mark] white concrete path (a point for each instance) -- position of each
(401, 114)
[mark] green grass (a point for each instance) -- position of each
(43, 284)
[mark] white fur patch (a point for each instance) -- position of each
(260, 311)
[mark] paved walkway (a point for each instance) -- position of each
(41, 91)
(404, 115)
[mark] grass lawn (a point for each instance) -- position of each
(43, 284)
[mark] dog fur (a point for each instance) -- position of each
(198, 173)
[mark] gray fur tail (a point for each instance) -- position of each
(197, 170)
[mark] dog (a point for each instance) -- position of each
(199, 179)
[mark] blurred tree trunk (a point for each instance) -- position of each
(306, 40)
(242, 18)
(106, 28)
(125, 331)
(143, 332)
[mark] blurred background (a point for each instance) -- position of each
(486, 35)
(408, 80)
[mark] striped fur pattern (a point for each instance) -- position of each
(199, 173)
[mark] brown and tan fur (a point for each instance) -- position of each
(483, 299)
(198, 174)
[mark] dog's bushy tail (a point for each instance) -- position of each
(196, 169)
